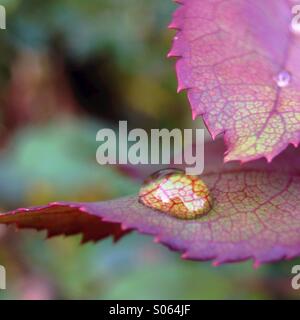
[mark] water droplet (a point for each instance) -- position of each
(173, 192)
(283, 79)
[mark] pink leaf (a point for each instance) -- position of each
(256, 213)
(240, 62)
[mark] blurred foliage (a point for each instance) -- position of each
(129, 30)
(67, 69)
(57, 161)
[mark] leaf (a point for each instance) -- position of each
(66, 219)
(256, 213)
(230, 54)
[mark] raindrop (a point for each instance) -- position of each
(173, 192)
(283, 79)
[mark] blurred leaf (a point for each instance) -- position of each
(59, 160)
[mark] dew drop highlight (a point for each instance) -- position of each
(283, 79)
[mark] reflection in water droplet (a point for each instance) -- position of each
(173, 192)
(283, 79)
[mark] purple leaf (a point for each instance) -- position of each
(256, 213)
(239, 61)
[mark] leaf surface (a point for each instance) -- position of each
(231, 56)
(256, 213)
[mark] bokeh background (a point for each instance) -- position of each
(67, 69)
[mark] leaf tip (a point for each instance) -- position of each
(157, 239)
(256, 264)
(124, 227)
(194, 115)
(184, 256)
(216, 263)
